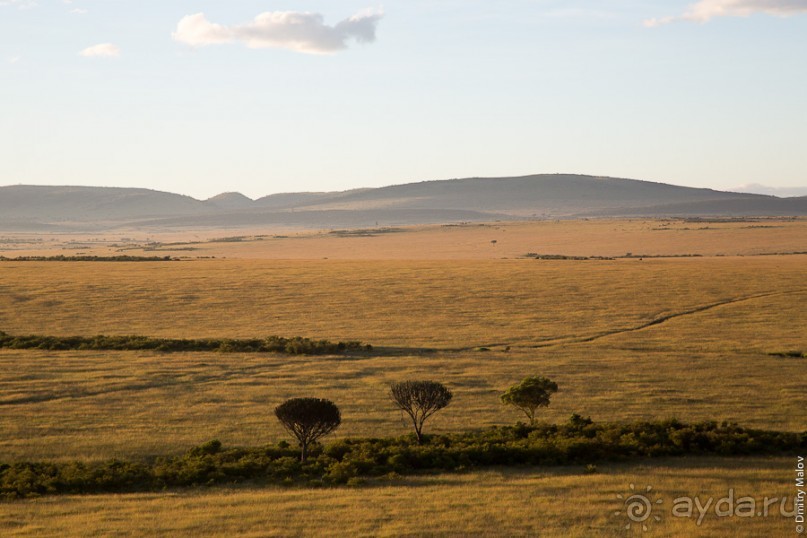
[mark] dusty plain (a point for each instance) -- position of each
(687, 327)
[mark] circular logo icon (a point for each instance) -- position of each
(639, 507)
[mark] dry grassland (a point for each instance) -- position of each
(600, 237)
(625, 339)
(584, 324)
(420, 303)
(546, 502)
(128, 404)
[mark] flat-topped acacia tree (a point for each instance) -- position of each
(533, 392)
(419, 400)
(308, 419)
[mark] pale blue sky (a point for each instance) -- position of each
(709, 93)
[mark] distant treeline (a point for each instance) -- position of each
(271, 344)
(62, 258)
(628, 255)
(352, 461)
(563, 257)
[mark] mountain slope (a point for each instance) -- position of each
(92, 203)
(472, 199)
(555, 193)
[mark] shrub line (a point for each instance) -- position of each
(271, 344)
(63, 258)
(352, 461)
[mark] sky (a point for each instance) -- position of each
(260, 97)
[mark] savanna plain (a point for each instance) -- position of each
(634, 320)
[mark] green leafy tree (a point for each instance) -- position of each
(533, 392)
(419, 400)
(308, 419)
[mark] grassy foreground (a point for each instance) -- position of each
(580, 440)
(546, 502)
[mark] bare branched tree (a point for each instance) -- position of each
(308, 419)
(419, 400)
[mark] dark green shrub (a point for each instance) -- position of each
(211, 447)
(272, 344)
(580, 442)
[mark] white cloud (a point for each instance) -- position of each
(78, 11)
(21, 4)
(195, 30)
(706, 10)
(654, 23)
(14, 59)
(102, 50)
(301, 32)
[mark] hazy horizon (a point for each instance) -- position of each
(314, 96)
(786, 192)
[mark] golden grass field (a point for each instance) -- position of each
(428, 298)
(556, 501)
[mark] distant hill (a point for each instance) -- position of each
(472, 199)
(92, 203)
(551, 195)
(230, 200)
(742, 207)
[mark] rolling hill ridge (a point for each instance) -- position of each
(25, 207)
